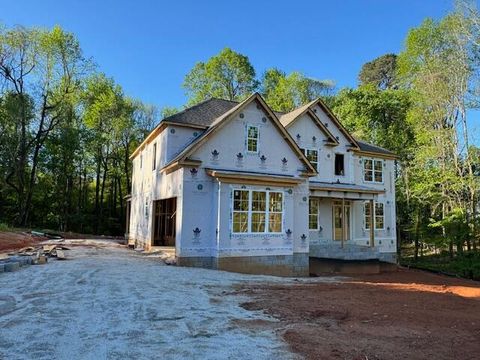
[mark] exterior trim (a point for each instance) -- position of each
(155, 132)
(307, 110)
(351, 190)
(222, 120)
(178, 164)
(253, 179)
(375, 154)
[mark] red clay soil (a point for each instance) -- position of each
(73, 236)
(17, 240)
(406, 314)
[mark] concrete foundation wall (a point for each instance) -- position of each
(277, 265)
(332, 266)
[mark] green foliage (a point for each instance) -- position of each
(4, 227)
(167, 111)
(66, 133)
(228, 75)
(380, 72)
(455, 225)
(465, 265)
(377, 116)
(285, 92)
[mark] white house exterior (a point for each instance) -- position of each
(235, 186)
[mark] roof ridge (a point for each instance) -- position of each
(217, 98)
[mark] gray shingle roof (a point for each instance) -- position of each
(203, 113)
(364, 146)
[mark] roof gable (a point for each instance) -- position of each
(331, 116)
(290, 118)
(221, 121)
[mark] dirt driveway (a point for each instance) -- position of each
(107, 302)
(403, 315)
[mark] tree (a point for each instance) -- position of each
(228, 75)
(377, 116)
(439, 66)
(381, 72)
(41, 69)
(286, 92)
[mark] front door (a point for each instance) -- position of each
(341, 226)
(164, 222)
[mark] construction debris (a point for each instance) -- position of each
(61, 255)
(30, 255)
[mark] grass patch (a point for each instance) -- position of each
(466, 265)
(4, 227)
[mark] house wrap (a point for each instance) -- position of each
(239, 187)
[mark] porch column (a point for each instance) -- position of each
(343, 221)
(372, 224)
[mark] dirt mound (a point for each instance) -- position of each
(17, 240)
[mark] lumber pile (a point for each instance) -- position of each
(40, 254)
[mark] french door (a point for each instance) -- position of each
(341, 225)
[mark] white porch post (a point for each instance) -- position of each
(372, 224)
(343, 222)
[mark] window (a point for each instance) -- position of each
(275, 212)
(312, 156)
(313, 214)
(141, 160)
(154, 165)
(339, 165)
(373, 170)
(379, 217)
(252, 138)
(257, 211)
(240, 211)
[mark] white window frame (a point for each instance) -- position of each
(267, 211)
(314, 214)
(373, 170)
(306, 151)
(366, 219)
(257, 139)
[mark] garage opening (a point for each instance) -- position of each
(164, 222)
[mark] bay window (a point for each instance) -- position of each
(257, 211)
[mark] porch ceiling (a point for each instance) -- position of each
(346, 191)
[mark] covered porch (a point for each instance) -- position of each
(339, 218)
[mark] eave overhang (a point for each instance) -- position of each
(249, 178)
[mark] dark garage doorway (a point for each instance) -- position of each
(164, 222)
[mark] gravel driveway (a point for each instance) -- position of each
(108, 302)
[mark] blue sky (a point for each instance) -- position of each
(149, 46)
